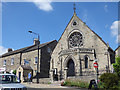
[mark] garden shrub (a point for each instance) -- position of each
(109, 80)
(116, 66)
(14, 72)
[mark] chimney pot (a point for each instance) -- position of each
(36, 41)
(10, 49)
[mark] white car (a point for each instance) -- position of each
(10, 82)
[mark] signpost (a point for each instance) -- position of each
(2, 70)
(93, 82)
(95, 65)
(96, 68)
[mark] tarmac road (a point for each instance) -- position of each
(55, 89)
(54, 86)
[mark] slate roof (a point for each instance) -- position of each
(26, 49)
(26, 67)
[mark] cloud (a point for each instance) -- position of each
(44, 5)
(118, 39)
(106, 8)
(114, 30)
(2, 50)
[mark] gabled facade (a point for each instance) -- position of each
(76, 51)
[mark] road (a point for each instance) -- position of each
(34, 86)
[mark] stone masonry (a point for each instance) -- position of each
(79, 54)
(26, 57)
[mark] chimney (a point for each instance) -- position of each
(36, 41)
(10, 49)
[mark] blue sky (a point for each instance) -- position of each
(50, 20)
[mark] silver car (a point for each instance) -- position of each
(10, 82)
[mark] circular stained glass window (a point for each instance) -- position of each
(75, 40)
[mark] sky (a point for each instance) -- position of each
(49, 20)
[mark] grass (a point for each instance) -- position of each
(75, 83)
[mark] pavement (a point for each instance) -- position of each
(35, 85)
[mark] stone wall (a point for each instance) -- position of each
(8, 65)
(45, 59)
(30, 57)
(42, 80)
(117, 51)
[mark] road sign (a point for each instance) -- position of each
(2, 69)
(95, 65)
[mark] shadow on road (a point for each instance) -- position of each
(56, 88)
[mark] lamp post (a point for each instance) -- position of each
(38, 56)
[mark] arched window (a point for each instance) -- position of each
(75, 40)
(86, 62)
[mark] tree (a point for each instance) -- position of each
(116, 65)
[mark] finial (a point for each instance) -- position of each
(108, 44)
(74, 8)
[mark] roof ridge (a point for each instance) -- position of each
(25, 49)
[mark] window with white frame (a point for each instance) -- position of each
(4, 63)
(36, 60)
(12, 61)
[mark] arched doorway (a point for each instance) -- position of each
(71, 68)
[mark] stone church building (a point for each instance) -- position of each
(76, 51)
(72, 56)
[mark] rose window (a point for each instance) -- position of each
(75, 40)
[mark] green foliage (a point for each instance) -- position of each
(116, 65)
(49, 82)
(14, 72)
(109, 80)
(100, 84)
(75, 83)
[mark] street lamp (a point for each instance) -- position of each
(38, 56)
(34, 33)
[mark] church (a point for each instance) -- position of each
(76, 51)
(72, 56)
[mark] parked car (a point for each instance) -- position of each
(10, 82)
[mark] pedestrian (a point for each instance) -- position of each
(29, 77)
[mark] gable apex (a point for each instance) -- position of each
(75, 16)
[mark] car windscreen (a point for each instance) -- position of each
(5, 79)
